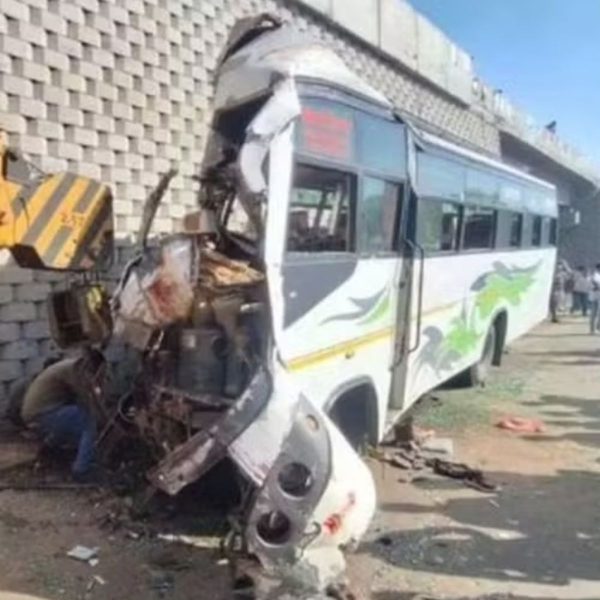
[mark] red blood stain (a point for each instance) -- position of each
(164, 293)
(334, 522)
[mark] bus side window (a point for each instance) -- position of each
(553, 232)
(536, 231)
(379, 208)
(480, 227)
(516, 230)
(322, 208)
(509, 229)
(438, 225)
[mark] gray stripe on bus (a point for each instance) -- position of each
(306, 283)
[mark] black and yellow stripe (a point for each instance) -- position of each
(61, 222)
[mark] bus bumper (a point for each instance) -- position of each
(310, 495)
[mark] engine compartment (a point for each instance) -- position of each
(195, 367)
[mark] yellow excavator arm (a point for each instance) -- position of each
(53, 221)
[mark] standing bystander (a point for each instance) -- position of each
(582, 286)
(562, 275)
(595, 300)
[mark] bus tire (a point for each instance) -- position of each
(477, 374)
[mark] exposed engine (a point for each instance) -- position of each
(211, 311)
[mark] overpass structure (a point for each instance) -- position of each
(121, 90)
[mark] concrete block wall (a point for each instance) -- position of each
(121, 90)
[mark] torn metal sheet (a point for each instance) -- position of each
(278, 53)
(281, 108)
(155, 291)
(194, 458)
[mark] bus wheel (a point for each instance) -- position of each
(478, 373)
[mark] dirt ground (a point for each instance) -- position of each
(537, 537)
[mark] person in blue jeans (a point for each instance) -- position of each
(57, 405)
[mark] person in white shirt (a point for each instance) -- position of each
(582, 286)
(595, 300)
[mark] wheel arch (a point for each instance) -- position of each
(354, 409)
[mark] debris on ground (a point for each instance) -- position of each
(407, 458)
(161, 582)
(473, 478)
(340, 591)
(521, 425)
(414, 456)
(406, 431)
(83, 553)
(422, 434)
(206, 542)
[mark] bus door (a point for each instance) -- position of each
(410, 291)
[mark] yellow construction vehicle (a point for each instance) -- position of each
(53, 221)
(60, 222)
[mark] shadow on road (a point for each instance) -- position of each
(581, 415)
(392, 595)
(566, 353)
(540, 529)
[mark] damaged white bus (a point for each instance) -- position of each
(342, 264)
(393, 261)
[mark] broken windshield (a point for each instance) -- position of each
(237, 221)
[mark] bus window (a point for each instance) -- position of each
(438, 225)
(516, 230)
(536, 231)
(439, 177)
(321, 210)
(379, 209)
(381, 144)
(553, 232)
(548, 231)
(482, 187)
(480, 225)
(509, 229)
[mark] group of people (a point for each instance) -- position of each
(577, 291)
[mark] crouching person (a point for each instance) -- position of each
(59, 406)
